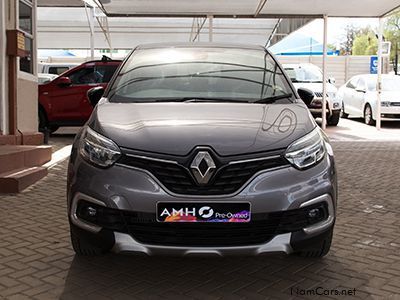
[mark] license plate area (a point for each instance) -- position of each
(198, 212)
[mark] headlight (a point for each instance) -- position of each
(307, 151)
(385, 103)
(98, 149)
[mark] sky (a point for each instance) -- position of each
(336, 26)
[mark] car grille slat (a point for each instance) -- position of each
(228, 178)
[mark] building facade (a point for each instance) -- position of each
(18, 75)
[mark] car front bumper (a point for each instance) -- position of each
(390, 113)
(317, 112)
(128, 189)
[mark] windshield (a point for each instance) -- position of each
(304, 73)
(389, 84)
(227, 74)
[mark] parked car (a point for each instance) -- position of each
(45, 78)
(55, 68)
(192, 150)
(360, 98)
(63, 101)
(310, 76)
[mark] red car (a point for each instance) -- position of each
(63, 101)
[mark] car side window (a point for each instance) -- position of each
(361, 85)
(105, 72)
(352, 83)
(85, 76)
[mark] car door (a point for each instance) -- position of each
(359, 95)
(349, 95)
(69, 103)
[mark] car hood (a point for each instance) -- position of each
(315, 87)
(391, 96)
(177, 128)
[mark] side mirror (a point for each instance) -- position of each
(94, 95)
(331, 80)
(64, 81)
(361, 90)
(306, 95)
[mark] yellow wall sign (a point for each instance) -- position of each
(16, 43)
(20, 41)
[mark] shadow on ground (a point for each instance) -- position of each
(137, 277)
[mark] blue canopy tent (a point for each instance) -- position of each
(54, 53)
(299, 44)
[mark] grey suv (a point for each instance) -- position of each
(201, 149)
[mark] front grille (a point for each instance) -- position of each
(391, 116)
(178, 179)
(317, 103)
(320, 95)
(394, 103)
(144, 228)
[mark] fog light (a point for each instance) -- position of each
(314, 213)
(91, 211)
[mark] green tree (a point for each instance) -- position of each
(365, 43)
(346, 46)
(392, 33)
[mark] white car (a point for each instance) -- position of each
(309, 76)
(55, 68)
(359, 97)
(45, 78)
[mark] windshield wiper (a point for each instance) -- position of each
(198, 99)
(272, 99)
(215, 100)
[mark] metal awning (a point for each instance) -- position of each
(249, 8)
(67, 28)
(60, 3)
(237, 8)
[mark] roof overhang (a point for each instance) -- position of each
(237, 8)
(249, 8)
(60, 3)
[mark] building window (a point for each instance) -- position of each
(25, 19)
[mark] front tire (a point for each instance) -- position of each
(44, 123)
(344, 115)
(317, 246)
(333, 120)
(368, 117)
(88, 244)
(42, 120)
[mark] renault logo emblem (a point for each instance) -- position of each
(203, 167)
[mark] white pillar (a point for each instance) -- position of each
(91, 25)
(210, 28)
(3, 71)
(379, 77)
(324, 77)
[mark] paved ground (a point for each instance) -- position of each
(356, 130)
(36, 259)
